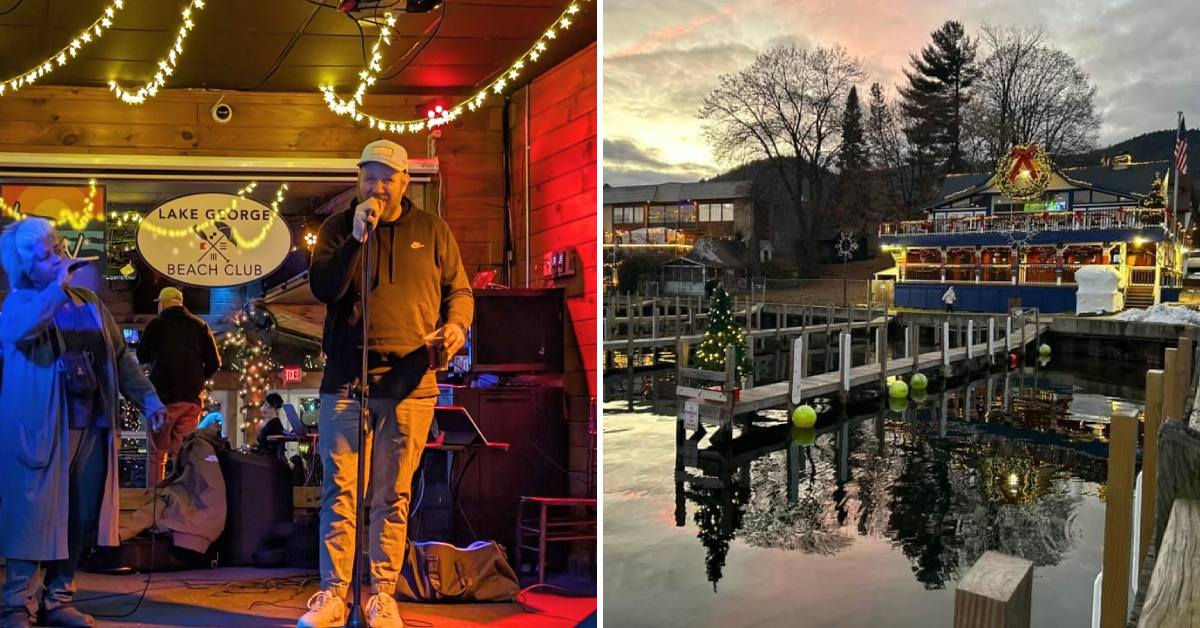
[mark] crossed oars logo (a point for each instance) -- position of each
(214, 244)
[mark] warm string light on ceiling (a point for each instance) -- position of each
(57, 60)
(166, 65)
(367, 77)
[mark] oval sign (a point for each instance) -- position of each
(214, 240)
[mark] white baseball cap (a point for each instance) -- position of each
(387, 153)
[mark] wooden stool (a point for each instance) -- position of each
(541, 526)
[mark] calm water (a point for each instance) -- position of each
(870, 519)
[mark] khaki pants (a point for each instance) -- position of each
(394, 444)
(182, 417)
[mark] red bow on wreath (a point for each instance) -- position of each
(1022, 159)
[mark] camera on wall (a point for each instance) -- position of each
(222, 113)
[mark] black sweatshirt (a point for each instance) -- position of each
(417, 284)
(181, 348)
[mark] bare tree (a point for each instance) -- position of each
(786, 107)
(1030, 91)
(890, 154)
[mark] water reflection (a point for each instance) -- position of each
(998, 463)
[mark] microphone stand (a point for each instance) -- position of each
(355, 617)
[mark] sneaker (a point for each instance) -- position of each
(325, 610)
(69, 617)
(382, 612)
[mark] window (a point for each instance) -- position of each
(627, 215)
(716, 212)
(658, 215)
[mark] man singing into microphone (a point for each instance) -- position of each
(416, 282)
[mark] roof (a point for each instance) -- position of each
(676, 192)
(1134, 178)
(717, 252)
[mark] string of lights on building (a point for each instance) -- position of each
(166, 65)
(440, 115)
(91, 33)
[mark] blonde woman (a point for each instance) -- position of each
(64, 362)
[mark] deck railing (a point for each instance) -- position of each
(1123, 218)
(995, 273)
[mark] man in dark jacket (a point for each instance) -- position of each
(181, 352)
(416, 282)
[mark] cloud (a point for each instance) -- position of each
(667, 55)
(674, 32)
(626, 162)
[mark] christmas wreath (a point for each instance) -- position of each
(1024, 173)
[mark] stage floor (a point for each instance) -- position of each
(247, 596)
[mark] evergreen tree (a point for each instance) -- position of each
(853, 154)
(854, 207)
(937, 93)
(721, 332)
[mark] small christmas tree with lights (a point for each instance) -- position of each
(721, 332)
(246, 351)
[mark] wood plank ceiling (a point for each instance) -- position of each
(236, 43)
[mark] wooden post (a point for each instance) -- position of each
(653, 318)
(796, 373)
(992, 340)
(1172, 597)
(1170, 385)
(1183, 364)
(946, 348)
(1154, 391)
(844, 361)
(914, 332)
(678, 319)
(779, 325)
(629, 369)
(731, 381)
(996, 593)
(883, 352)
(1118, 520)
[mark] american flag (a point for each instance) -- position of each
(1181, 148)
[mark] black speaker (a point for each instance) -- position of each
(258, 495)
(518, 331)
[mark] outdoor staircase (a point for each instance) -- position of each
(1139, 296)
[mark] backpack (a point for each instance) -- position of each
(440, 572)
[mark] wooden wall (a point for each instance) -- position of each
(177, 122)
(562, 203)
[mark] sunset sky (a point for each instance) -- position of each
(661, 58)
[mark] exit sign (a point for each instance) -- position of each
(292, 375)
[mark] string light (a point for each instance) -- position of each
(368, 77)
(166, 65)
(244, 241)
(60, 58)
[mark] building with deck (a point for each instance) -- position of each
(1019, 235)
(668, 219)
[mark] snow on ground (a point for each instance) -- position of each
(1162, 313)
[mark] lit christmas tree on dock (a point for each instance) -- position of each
(721, 332)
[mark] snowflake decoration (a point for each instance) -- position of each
(846, 245)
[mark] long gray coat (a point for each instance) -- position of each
(34, 436)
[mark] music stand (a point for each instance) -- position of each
(456, 428)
